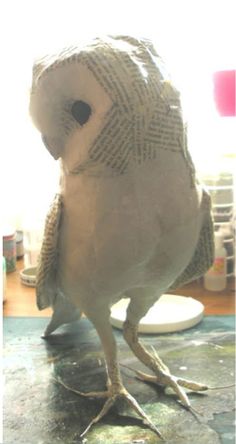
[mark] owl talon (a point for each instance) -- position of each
(169, 380)
(162, 375)
(112, 397)
(77, 392)
(112, 394)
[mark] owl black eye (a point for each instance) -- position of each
(81, 111)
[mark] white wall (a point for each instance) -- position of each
(194, 37)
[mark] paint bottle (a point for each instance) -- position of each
(215, 279)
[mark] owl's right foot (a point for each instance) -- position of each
(113, 393)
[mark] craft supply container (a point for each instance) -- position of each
(9, 250)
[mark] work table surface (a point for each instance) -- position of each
(20, 299)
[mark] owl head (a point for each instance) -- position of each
(105, 106)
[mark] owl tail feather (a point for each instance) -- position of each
(64, 312)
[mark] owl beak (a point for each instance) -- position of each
(52, 149)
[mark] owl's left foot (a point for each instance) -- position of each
(165, 379)
(162, 375)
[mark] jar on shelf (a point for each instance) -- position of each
(215, 279)
(221, 189)
(19, 244)
(9, 249)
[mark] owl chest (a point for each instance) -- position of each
(105, 225)
(113, 229)
(100, 219)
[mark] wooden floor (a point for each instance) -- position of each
(20, 299)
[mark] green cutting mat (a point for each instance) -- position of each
(37, 410)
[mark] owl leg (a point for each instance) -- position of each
(162, 376)
(115, 388)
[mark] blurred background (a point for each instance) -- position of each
(197, 42)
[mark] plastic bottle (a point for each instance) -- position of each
(32, 244)
(215, 278)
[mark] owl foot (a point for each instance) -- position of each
(162, 375)
(164, 378)
(113, 393)
(168, 380)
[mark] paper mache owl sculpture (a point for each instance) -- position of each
(130, 217)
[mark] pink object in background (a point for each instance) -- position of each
(224, 92)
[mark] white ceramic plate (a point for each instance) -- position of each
(169, 314)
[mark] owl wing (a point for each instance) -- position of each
(46, 271)
(203, 256)
(47, 291)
